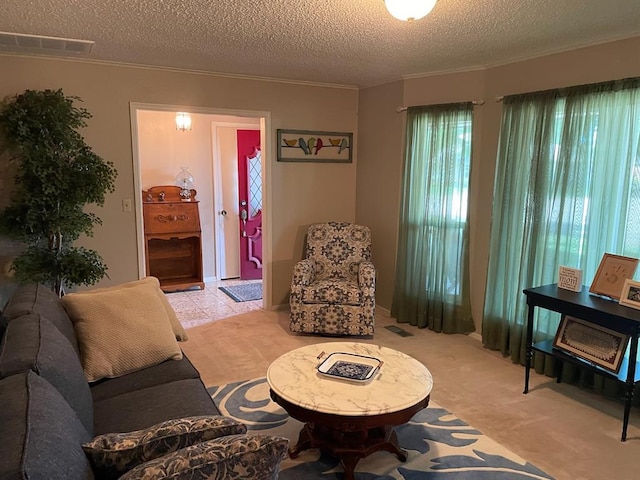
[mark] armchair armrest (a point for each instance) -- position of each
(367, 276)
(304, 273)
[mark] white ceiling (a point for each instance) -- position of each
(346, 42)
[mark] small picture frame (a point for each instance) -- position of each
(630, 294)
(612, 272)
(593, 343)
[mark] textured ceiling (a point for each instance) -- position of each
(347, 42)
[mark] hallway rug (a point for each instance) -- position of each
(439, 445)
(244, 292)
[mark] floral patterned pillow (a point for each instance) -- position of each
(226, 458)
(112, 454)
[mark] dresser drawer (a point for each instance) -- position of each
(171, 217)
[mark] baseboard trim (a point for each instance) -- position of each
(476, 336)
(283, 306)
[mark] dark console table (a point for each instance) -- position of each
(593, 309)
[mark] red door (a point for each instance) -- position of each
(250, 198)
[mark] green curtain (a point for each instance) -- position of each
(567, 190)
(432, 267)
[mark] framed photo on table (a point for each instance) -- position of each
(591, 342)
(630, 294)
(612, 272)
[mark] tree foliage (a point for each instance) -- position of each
(57, 176)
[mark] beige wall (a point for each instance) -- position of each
(380, 165)
(378, 183)
(300, 193)
(304, 193)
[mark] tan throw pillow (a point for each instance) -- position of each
(176, 326)
(121, 330)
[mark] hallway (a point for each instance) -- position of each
(198, 307)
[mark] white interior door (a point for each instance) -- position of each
(226, 208)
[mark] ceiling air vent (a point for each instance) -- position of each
(38, 44)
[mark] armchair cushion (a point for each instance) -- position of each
(342, 292)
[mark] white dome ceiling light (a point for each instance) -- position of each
(409, 10)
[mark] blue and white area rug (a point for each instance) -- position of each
(439, 445)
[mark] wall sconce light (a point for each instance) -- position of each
(183, 121)
(409, 10)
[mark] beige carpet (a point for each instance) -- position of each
(568, 432)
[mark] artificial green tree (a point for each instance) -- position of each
(57, 176)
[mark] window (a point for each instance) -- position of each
(567, 191)
(432, 281)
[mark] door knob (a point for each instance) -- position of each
(223, 213)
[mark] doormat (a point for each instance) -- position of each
(398, 330)
(245, 292)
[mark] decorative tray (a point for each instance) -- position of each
(349, 366)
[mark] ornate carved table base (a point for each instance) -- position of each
(349, 438)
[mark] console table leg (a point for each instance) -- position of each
(559, 371)
(529, 346)
(627, 410)
(631, 375)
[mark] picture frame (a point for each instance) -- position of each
(314, 146)
(593, 343)
(570, 278)
(611, 274)
(630, 296)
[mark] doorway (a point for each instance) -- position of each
(205, 178)
(237, 201)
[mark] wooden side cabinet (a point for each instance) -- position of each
(173, 238)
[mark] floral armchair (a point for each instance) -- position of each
(333, 288)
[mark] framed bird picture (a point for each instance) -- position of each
(311, 146)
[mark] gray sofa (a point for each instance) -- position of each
(47, 408)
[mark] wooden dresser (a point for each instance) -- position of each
(172, 238)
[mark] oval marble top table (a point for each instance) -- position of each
(402, 381)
